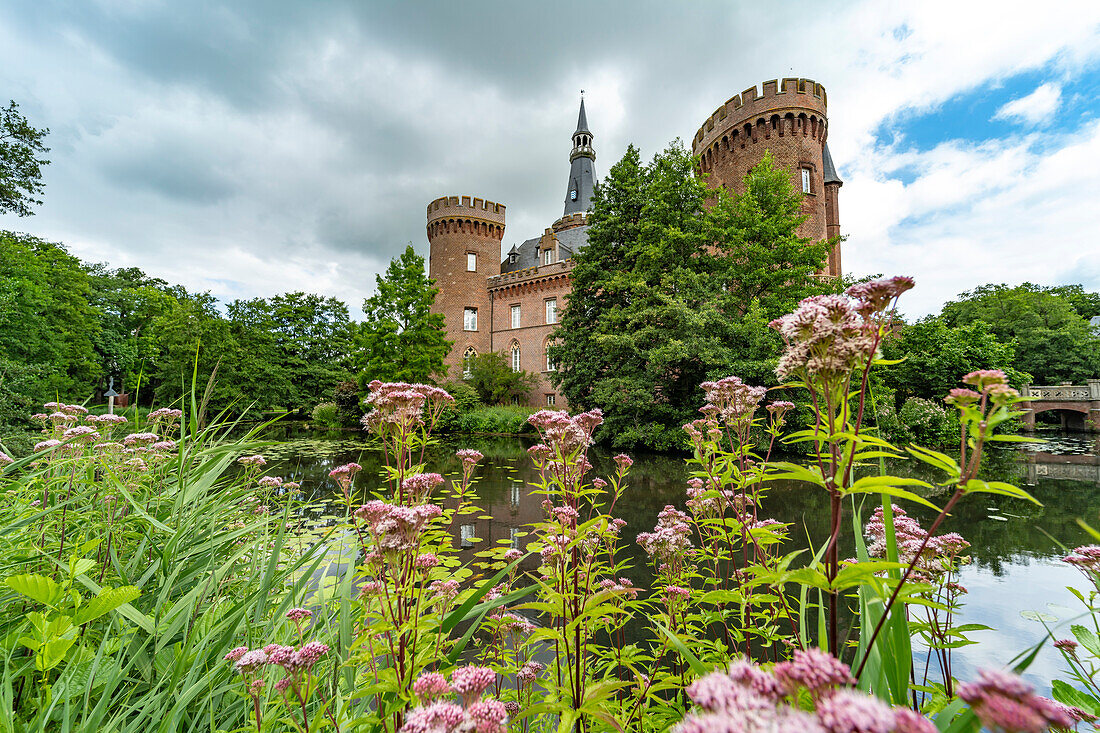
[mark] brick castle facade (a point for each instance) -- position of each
(513, 306)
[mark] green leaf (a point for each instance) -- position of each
(40, 588)
(1067, 695)
(1087, 637)
(693, 661)
(108, 600)
(977, 486)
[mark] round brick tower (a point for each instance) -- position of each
(789, 119)
(464, 236)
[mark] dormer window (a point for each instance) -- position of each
(513, 258)
(548, 257)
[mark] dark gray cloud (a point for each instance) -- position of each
(260, 145)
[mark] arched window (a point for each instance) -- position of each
(467, 360)
(549, 360)
(515, 357)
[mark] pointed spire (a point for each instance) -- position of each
(582, 119)
(829, 169)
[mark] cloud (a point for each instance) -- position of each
(265, 146)
(1036, 108)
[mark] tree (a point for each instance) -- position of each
(934, 356)
(20, 164)
(1052, 339)
(401, 340)
(670, 292)
(496, 382)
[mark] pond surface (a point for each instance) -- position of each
(1016, 576)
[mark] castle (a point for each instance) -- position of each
(513, 305)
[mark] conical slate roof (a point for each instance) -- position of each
(829, 168)
(582, 120)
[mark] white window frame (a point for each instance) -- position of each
(806, 180)
(471, 262)
(551, 310)
(516, 358)
(550, 400)
(469, 319)
(548, 257)
(516, 316)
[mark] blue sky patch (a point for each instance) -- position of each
(970, 115)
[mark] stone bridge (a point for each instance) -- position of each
(1077, 404)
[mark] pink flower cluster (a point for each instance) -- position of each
(669, 541)
(991, 384)
(941, 554)
(396, 528)
(565, 435)
(1003, 701)
(731, 401)
(747, 698)
(252, 461)
(1086, 559)
(401, 405)
(828, 336)
(419, 488)
(473, 712)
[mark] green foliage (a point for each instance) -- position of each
(496, 420)
(401, 340)
(326, 414)
(1046, 327)
(928, 423)
(495, 382)
(348, 404)
(20, 162)
(670, 292)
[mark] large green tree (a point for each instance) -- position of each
(1047, 327)
(20, 162)
(675, 286)
(934, 355)
(400, 338)
(494, 380)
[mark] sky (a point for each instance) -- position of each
(262, 146)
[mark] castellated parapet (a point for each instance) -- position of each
(789, 118)
(464, 234)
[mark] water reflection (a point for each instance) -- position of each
(1015, 544)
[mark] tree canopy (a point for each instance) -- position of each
(670, 292)
(401, 340)
(20, 162)
(1048, 327)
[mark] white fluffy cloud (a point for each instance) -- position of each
(1035, 108)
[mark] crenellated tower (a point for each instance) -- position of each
(464, 235)
(789, 119)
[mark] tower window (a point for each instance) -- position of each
(805, 180)
(467, 361)
(515, 358)
(552, 310)
(550, 400)
(547, 256)
(471, 262)
(469, 319)
(515, 316)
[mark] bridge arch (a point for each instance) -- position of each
(1078, 405)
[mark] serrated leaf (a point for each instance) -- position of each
(108, 600)
(40, 588)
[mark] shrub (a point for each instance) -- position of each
(499, 419)
(348, 407)
(327, 414)
(927, 423)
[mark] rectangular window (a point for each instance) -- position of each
(550, 400)
(552, 310)
(548, 257)
(549, 361)
(515, 316)
(471, 262)
(805, 180)
(469, 319)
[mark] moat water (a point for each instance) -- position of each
(1016, 580)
